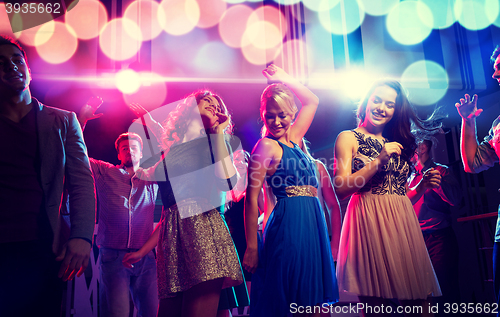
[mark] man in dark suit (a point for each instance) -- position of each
(42, 153)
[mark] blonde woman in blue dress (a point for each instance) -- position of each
(294, 266)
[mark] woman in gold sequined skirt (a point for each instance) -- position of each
(196, 257)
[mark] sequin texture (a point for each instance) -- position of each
(305, 190)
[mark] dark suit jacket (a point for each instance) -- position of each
(64, 159)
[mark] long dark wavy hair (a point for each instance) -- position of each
(176, 123)
(405, 127)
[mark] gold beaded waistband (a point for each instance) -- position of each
(305, 190)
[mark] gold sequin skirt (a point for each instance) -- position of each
(194, 249)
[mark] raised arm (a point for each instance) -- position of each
(147, 120)
(306, 97)
(332, 203)
(467, 109)
(260, 161)
(87, 112)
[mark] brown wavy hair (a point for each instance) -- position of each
(176, 123)
(405, 127)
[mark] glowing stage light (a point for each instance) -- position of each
(215, 58)
(120, 39)
(233, 24)
(409, 28)
(178, 17)
(341, 19)
(60, 47)
(476, 14)
(443, 15)
(144, 13)
(426, 82)
(378, 7)
(320, 5)
(127, 81)
(87, 18)
(354, 83)
(234, 1)
(211, 12)
(151, 92)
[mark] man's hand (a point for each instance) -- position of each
(88, 111)
(75, 256)
(467, 108)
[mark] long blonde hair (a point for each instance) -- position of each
(282, 96)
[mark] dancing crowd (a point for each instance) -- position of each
(228, 217)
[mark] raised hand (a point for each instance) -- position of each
(467, 108)
(221, 124)
(87, 112)
(275, 73)
(137, 109)
(389, 149)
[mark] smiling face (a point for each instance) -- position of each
(381, 106)
(277, 119)
(15, 76)
(209, 108)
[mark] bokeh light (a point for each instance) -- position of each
(342, 19)
(5, 27)
(233, 24)
(405, 26)
(259, 56)
(379, 7)
(320, 5)
(426, 82)
(293, 52)
(150, 94)
(443, 15)
(215, 58)
(60, 47)
(127, 81)
(211, 12)
(28, 36)
(287, 2)
(476, 14)
(178, 17)
(144, 13)
(116, 40)
(275, 20)
(87, 18)
(262, 35)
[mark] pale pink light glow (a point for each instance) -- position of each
(275, 20)
(233, 24)
(145, 14)
(151, 92)
(211, 12)
(87, 18)
(178, 17)
(28, 36)
(120, 39)
(127, 81)
(60, 47)
(259, 56)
